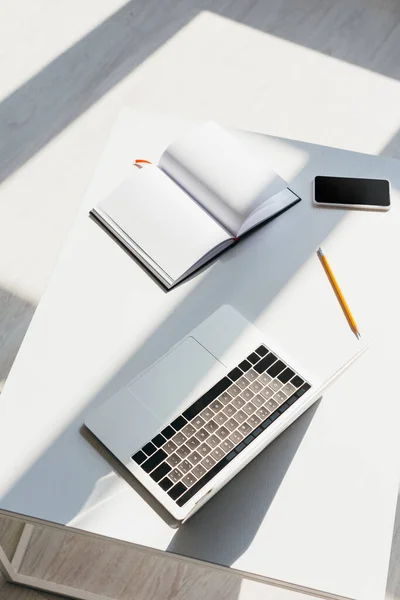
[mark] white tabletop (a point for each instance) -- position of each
(316, 509)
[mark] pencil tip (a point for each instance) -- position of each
(358, 335)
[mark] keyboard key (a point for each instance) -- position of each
(264, 379)
(199, 471)
(185, 466)
(213, 441)
(302, 390)
(266, 423)
(247, 394)
(276, 368)
(242, 382)
(216, 406)
(207, 414)
(251, 375)
(256, 387)
(225, 398)
(253, 358)
(265, 362)
(175, 475)
(192, 443)
(206, 398)
(227, 445)
(165, 484)
(230, 456)
(203, 449)
(236, 437)
(254, 421)
(263, 413)
(274, 416)
(257, 432)
(202, 434)
(211, 426)
(288, 389)
(231, 424)
(245, 365)
(178, 423)
(177, 490)
(198, 422)
(139, 457)
(173, 460)
(249, 408)
(272, 405)
(241, 447)
(184, 451)
(275, 385)
(280, 397)
(297, 381)
(169, 447)
(217, 454)
(283, 407)
(286, 375)
(267, 393)
(238, 402)
(160, 472)
(249, 439)
(194, 458)
(168, 432)
(154, 460)
(262, 351)
(149, 449)
(189, 480)
(229, 410)
(159, 440)
(258, 400)
(220, 418)
(222, 432)
(188, 430)
(208, 462)
(178, 439)
(245, 429)
(240, 416)
(235, 374)
(234, 390)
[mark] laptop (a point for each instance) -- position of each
(202, 412)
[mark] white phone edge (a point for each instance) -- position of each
(351, 206)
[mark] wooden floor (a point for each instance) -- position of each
(38, 113)
(120, 571)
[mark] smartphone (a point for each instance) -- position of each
(347, 192)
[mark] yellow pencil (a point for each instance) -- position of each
(338, 292)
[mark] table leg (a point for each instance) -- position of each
(6, 567)
(15, 536)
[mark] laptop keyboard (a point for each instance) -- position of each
(198, 444)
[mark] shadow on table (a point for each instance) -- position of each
(222, 529)
(226, 526)
(15, 316)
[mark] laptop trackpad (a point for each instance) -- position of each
(177, 380)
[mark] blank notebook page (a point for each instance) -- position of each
(163, 220)
(223, 173)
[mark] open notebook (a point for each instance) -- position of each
(207, 190)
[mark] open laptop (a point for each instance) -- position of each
(201, 413)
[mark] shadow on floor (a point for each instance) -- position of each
(42, 107)
(15, 317)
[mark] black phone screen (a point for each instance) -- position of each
(351, 191)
